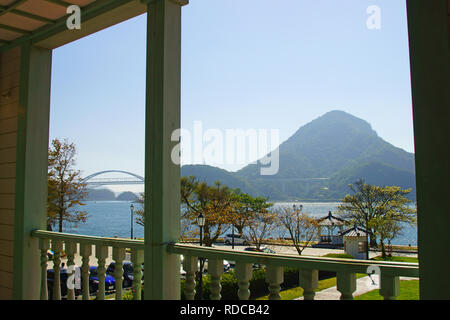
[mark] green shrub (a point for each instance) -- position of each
(258, 285)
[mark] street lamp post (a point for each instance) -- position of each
(232, 236)
(131, 222)
(201, 224)
(366, 216)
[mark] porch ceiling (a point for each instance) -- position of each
(43, 22)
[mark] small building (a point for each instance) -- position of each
(355, 242)
(331, 224)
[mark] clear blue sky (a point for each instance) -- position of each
(245, 64)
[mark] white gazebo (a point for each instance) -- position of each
(330, 222)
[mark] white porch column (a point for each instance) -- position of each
(162, 176)
(31, 168)
(429, 43)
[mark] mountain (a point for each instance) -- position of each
(127, 196)
(100, 195)
(319, 161)
(108, 195)
(211, 174)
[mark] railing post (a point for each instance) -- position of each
(44, 245)
(309, 280)
(71, 249)
(190, 266)
(56, 248)
(85, 252)
(274, 277)
(101, 253)
(118, 257)
(346, 284)
(215, 269)
(136, 257)
(243, 274)
(389, 286)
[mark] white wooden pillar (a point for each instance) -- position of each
(429, 45)
(31, 168)
(162, 176)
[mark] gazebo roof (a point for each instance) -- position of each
(354, 231)
(330, 220)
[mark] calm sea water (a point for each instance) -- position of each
(113, 218)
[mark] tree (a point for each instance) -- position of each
(260, 226)
(300, 226)
(214, 202)
(245, 207)
(381, 210)
(386, 229)
(140, 212)
(65, 187)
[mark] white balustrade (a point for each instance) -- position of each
(44, 245)
(190, 267)
(56, 248)
(274, 277)
(346, 284)
(118, 257)
(308, 268)
(243, 274)
(309, 281)
(85, 252)
(101, 253)
(389, 286)
(71, 249)
(137, 258)
(215, 269)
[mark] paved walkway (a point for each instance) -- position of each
(363, 285)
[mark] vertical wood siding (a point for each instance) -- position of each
(9, 95)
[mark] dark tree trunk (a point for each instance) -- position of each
(60, 222)
(383, 250)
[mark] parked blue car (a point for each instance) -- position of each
(110, 283)
(63, 276)
(127, 273)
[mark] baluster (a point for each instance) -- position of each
(215, 269)
(190, 267)
(346, 284)
(101, 253)
(275, 277)
(85, 252)
(44, 245)
(71, 249)
(389, 286)
(118, 257)
(56, 248)
(309, 280)
(243, 274)
(137, 258)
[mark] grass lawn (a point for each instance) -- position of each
(397, 259)
(409, 290)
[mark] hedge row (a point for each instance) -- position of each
(258, 285)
